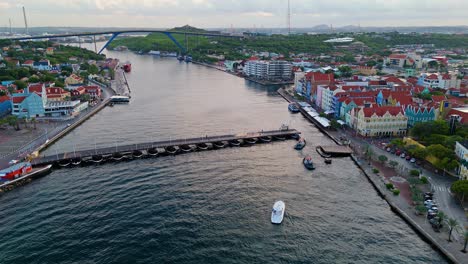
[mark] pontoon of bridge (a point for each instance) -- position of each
(132, 151)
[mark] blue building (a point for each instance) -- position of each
(30, 103)
(5, 105)
(419, 115)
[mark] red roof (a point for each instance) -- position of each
(431, 77)
(397, 56)
(393, 79)
(403, 99)
(351, 87)
(29, 62)
(438, 98)
(446, 76)
(380, 111)
(462, 114)
(18, 99)
(377, 82)
(55, 90)
(35, 88)
(318, 76)
(4, 98)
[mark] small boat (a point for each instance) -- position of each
(277, 213)
(127, 67)
(328, 161)
(295, 136)
(154, 52)
(308, 163)
(188, 58)
(235, 142)
(250, 140)
(220, 144)
(301, 144)
(293, 108)
(172, 149)
(180, 58)
(265, 139)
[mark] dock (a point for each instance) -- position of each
(159, 148)
(334, 151)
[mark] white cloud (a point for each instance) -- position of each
(216, 13)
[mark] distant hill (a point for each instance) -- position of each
(188, 28)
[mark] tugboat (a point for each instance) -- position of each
(301, 144)
(307, 161)
(293, 108)
(127, 67)
(277, 212)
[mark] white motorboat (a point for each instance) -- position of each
(277, 213)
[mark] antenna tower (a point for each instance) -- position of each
(289, 17)
(25, 21)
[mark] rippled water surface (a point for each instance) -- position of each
(204, 207)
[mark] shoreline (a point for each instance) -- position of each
(397, 210)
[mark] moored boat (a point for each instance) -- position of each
(277, 213)
(328, 161)
(188, 58)
(117, 156)
(76, 161)
(307, 161)
(15, 171)
(97, 158)
(295, 136)
(186, 148)
(127, 67)
(293, 108)
(202, 146)
(279, 137)
(300, 144)
(180, 58)
(137, 153)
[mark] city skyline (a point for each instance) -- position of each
(214, 14)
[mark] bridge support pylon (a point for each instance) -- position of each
(114, 35)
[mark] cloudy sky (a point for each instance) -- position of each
(238, 13)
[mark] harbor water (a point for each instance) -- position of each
(203, 207)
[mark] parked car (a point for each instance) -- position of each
(403, 155)
(429, 194)
(426, 202)
(389, 149)
(412, 160)
(427, 197)
(397, 152)
(408, 158)
(431, 215)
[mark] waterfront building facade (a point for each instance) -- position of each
(419, 115)
(461, 151)
(268, 70)
(382, 121)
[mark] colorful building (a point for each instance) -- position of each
(419, 115)
(382, 121)
(462, 154)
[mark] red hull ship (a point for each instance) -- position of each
(127, 67)
(15, 171)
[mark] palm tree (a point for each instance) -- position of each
(452, 224)
(34, 121)
(466, 240)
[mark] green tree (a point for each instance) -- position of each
(393, 164)
(453, 225)
(34, 121)
(439, 151)
(345, 71)
(433, 64)
(418, 152)
(383, 159)
(93, 69)
(12, 120)
(427, 129)
(398, 142)
(34, 79)
(21, 85)
(460, 188)
(465, 236)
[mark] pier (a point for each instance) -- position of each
(168, 147)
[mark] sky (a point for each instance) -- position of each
(233, 13)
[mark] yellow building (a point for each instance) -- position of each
(462, 153)
(382, 121)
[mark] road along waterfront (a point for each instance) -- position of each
(206, 207)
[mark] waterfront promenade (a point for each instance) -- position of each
(402, 204)
(48, 132)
